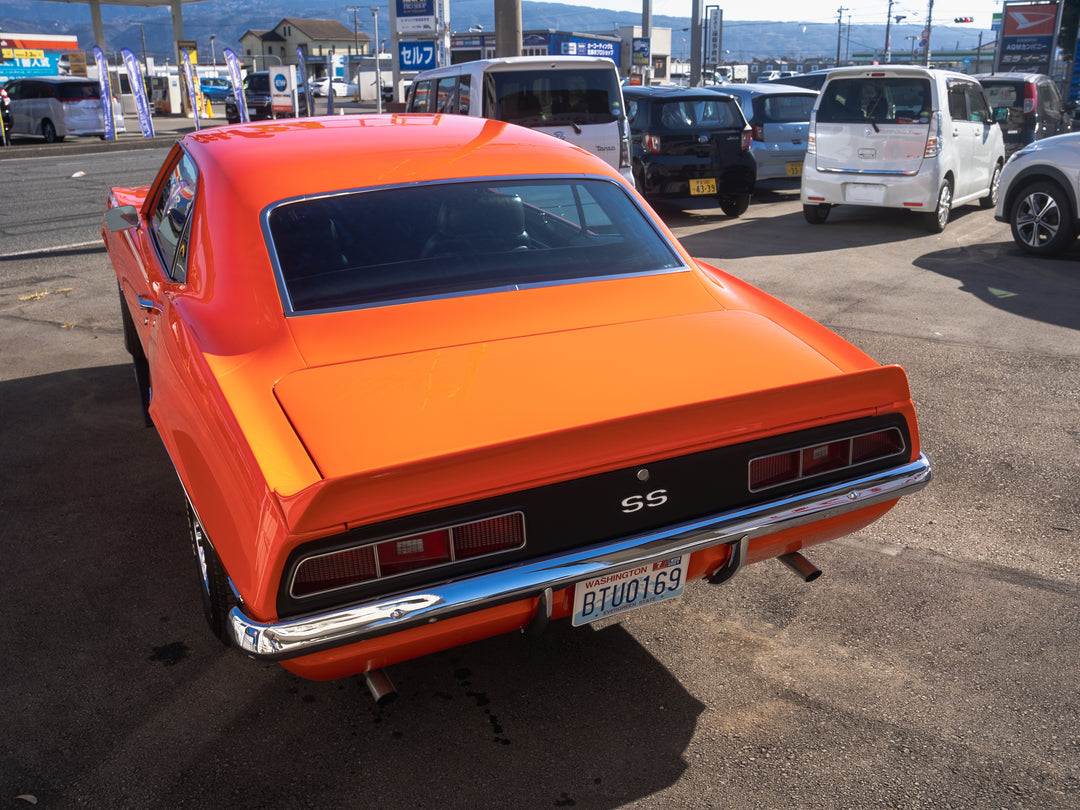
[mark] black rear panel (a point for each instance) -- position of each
(593, 509)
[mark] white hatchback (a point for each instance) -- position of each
(916, 138)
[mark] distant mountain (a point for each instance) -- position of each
(227, 20)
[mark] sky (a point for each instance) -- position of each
(861, 12)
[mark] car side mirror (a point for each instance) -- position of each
(121, 218)
(1001, 114)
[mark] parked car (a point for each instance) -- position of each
(779, 118)
(341, 87)
(57, 106)
(418, 402)
(215, 88)
(1035, 103)
(688, 143)
(1040, 194)
(920, 139)
(5, 115)
(576, 98)
(257, 98)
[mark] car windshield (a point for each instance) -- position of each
(1004, 94)
(258, 83)
(880, 100)
(544, 97)
(370, 247)
(697, 113)
(784, 109)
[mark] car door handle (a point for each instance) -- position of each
(147, 304)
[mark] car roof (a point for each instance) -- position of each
(57, 79)
(253, 165)
(670, 91)
(1011, 77)
(763, 89)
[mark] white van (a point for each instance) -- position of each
(578, 99)
(901, 137)
(57, 106)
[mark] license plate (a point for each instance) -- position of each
(794, 169)
(707, 186)
(645, 584)
(864, 192)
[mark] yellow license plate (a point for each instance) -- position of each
(794, 169)
(707, 186)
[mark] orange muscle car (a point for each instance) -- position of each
(427, 379)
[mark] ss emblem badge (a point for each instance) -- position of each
(650, 500)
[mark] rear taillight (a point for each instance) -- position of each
(352, 566)
(933, 137)
(811, 143)
(652, 144)
(744, 140)
(1029, 98)
(757, 132)
(790, 466)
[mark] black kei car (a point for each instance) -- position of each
(690, 143)
(1036, 110)
(257, 98)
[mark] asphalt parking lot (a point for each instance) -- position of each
(935, 664)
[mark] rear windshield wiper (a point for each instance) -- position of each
(870, 112)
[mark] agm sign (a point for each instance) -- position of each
(1028, 32)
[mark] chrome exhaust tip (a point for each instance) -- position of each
(381, 688)
(801, 566)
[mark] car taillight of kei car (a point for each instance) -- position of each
(933, 137)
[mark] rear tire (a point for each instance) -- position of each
(816, 214)
(734, 206)
(1042, 219)
(990, 200)
(48, 130)
(214, 584)
(937, 219)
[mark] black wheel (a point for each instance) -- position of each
(48, 129)
(816, 214)
(937, 219)
(1042, 219)
(736, 205)
(213, 583)
(990, 200)
(138, 360)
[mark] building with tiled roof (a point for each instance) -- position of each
(261, 49)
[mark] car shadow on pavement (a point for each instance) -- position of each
(116, 693)
(790, 234)
(1044, 289)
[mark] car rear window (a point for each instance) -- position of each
(881, 100)
(77, 91)
(697, 113)
(784, 109)
(1005, 94)
(544, 97)
(370, 247)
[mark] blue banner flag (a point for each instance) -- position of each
(189, 78)
(233, 63)
(138, 90)
(106, 94)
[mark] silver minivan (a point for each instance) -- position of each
(575, 98)
(57, 106)
(916, 138)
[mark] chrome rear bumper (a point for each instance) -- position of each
(307, 634)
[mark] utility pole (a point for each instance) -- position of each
(355, 29)
(847, 46)
(378, 69)
(839, 31)
(929, 20)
